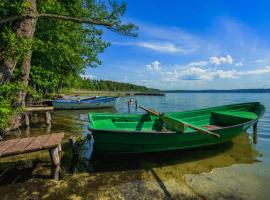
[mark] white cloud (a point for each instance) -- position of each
(154, 66)
(259, 71)
(193, 72)
(259, 60)
(162, 47)
(165, 47)
(201, 63)
(230, 74)
(239, 64)
(221, 60)
(196, 73)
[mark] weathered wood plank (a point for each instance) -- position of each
(4, 145)
(37, 143)
(18, 147)
(53, 140)
(27, 120)
(39, 108)
(30, 144)
(48, 118)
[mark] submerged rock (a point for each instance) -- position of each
(241, 181)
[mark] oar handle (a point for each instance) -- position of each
(203, 131)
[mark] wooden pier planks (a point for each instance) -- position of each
(30, 144)
(53, 139)
(52, 142)
(39, 108)
(37, 143)
(18, 147)
(4, 145)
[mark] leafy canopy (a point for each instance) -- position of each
(61, 49)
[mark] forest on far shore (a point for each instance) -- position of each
(94, 85)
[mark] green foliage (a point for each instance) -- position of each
(61, 49)
(8, 101)
(64, 48)
(11, 7)
(44, 80)
(8, 96)
(105, 85)
(10, 44)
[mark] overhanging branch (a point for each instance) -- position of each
(67, 18)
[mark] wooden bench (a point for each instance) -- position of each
(52, 142)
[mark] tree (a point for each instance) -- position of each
(32, 33)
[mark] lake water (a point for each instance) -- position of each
(153, 176)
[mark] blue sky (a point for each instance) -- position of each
(191, 45)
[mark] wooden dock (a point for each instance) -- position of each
(44, 109)
(52, 142)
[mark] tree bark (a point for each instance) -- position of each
(25, 29)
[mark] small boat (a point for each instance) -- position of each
(142, 133)
(86, 103)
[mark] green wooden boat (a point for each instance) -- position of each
(141, 133)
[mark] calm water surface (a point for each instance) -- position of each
(76, 121)
(151, 174)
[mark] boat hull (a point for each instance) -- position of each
(91, 104)
(122, 141)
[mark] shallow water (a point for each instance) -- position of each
(158, 175)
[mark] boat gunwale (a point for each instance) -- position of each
(191, 133)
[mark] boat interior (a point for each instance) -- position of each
(208, 119)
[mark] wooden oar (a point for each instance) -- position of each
(177, 124)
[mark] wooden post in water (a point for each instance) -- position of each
(254, 136)
(75, 154)
(27, 120)
(48, 118)
(55, 154)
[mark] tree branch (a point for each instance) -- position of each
(67, 18)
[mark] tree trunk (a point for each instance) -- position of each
(26, 29)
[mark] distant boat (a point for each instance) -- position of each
(86, 103)
(141, 133)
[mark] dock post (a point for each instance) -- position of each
(129, 102)
(27, 120)
(75, 154)
(254, 136)
(48, 118)
(55, 154)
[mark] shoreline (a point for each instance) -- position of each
(113, 93)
